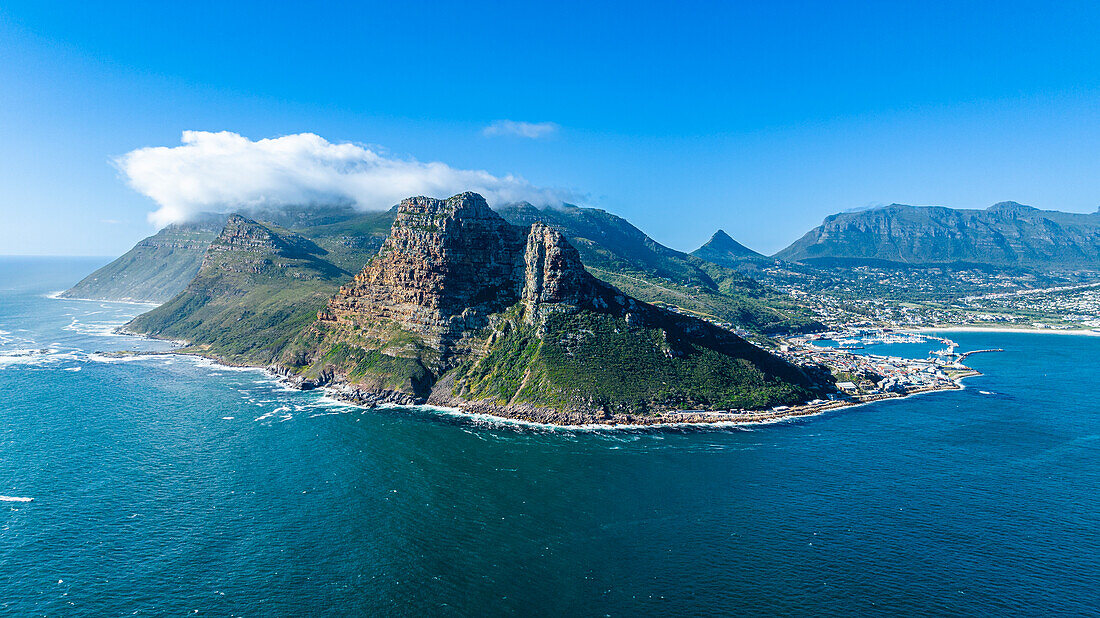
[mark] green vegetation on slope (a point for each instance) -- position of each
(257, 289)
(353, 241)
(579, 360)
(382, 358)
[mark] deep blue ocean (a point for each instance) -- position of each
(170, 486)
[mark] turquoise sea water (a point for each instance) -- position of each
(169, 486)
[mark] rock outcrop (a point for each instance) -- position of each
(445, 268)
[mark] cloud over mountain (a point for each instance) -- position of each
(222, 171)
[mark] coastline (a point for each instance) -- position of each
(529, 416)
(58, 296)
(546, 418)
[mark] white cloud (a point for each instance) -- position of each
(514, 128)
(223, 171)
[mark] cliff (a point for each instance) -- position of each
(462, 308)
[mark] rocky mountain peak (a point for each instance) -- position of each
(721, 237)
(554, 272)
(467, 205)
(450, 264)
(723, 249)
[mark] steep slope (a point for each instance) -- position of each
(725, 251)
(462, 308)
(256, 288)
(156, 268)
(620, 254)
(1005, 235)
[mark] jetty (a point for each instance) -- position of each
(965, 354)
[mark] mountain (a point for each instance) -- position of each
(161, 266)
(256, 287)
(725, 251)
(620, 254)
(1007, 234)
(462, 308)
(156, 268)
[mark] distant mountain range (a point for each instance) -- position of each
(163, 265)
(1007, 234)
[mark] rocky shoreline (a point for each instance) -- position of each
(442, 398)
(529, 414)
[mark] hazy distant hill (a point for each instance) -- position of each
(157, 268)
(1006, 234)
(161, 266)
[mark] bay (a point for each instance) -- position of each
(170, 485)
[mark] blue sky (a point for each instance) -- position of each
(759, 118)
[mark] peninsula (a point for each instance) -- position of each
(462, 309)
(457, 306)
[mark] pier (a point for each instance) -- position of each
(965, 354)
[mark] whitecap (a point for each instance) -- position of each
(15, 499)
(35, 358)
(95, 329)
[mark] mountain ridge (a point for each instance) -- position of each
(1006, 234)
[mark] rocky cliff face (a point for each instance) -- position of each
(554, 275)
(503, 313)
(446, 266)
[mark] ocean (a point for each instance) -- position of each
(167, 485)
